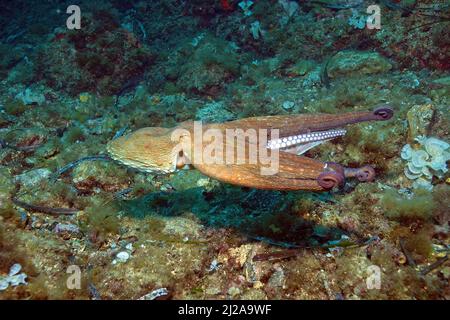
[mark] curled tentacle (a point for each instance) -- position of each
(363, 174)
(331, 179)
(334, 166)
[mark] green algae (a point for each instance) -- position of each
(102, 219)
(419, 206)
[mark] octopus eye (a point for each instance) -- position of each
(329, 180)
(383, 112)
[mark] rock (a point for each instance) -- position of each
(23, 72)
(182, 227)
(254, 294)
(31, 97)
(353, 63)
(234, 292)
(48, 150)
(67, 230)
(239, 254)
(7, 184)
(212, 291)
(289, 7)
(288, 105)
(445, 81)
(122, 256)
(420, 119)
(188, 179)
(214, 112)
(255, 29)
(91, 176)
(301, 68)
(33, 177)
(277, 278)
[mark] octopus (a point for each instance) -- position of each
(284, 138)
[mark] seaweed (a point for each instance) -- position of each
(101, 220)
(419, 206)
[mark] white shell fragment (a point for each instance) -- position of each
(155, 294)
(18, 279)
(123, 256)
(14, 278)
(15, 269)
(4, 284)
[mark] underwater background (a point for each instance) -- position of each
(75, 225)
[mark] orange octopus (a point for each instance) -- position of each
(284, 139)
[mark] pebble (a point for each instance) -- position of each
(66, 227)
(234, 291)
(123, 256)
(33, 177)
(288, 105)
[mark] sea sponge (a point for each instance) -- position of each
(427, 160)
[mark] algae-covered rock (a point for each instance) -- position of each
(352, 63)
(96, 175)
(33, 177)
(31, 96)
(214, 112)
(419, 120)
(208, 63)
(7, 187)
(444, 81)
(188, 179)
(100, 57)
(184, 228)
(23, 72)
(11, 55)
(301, 68)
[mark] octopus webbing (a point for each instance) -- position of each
(164, 150)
